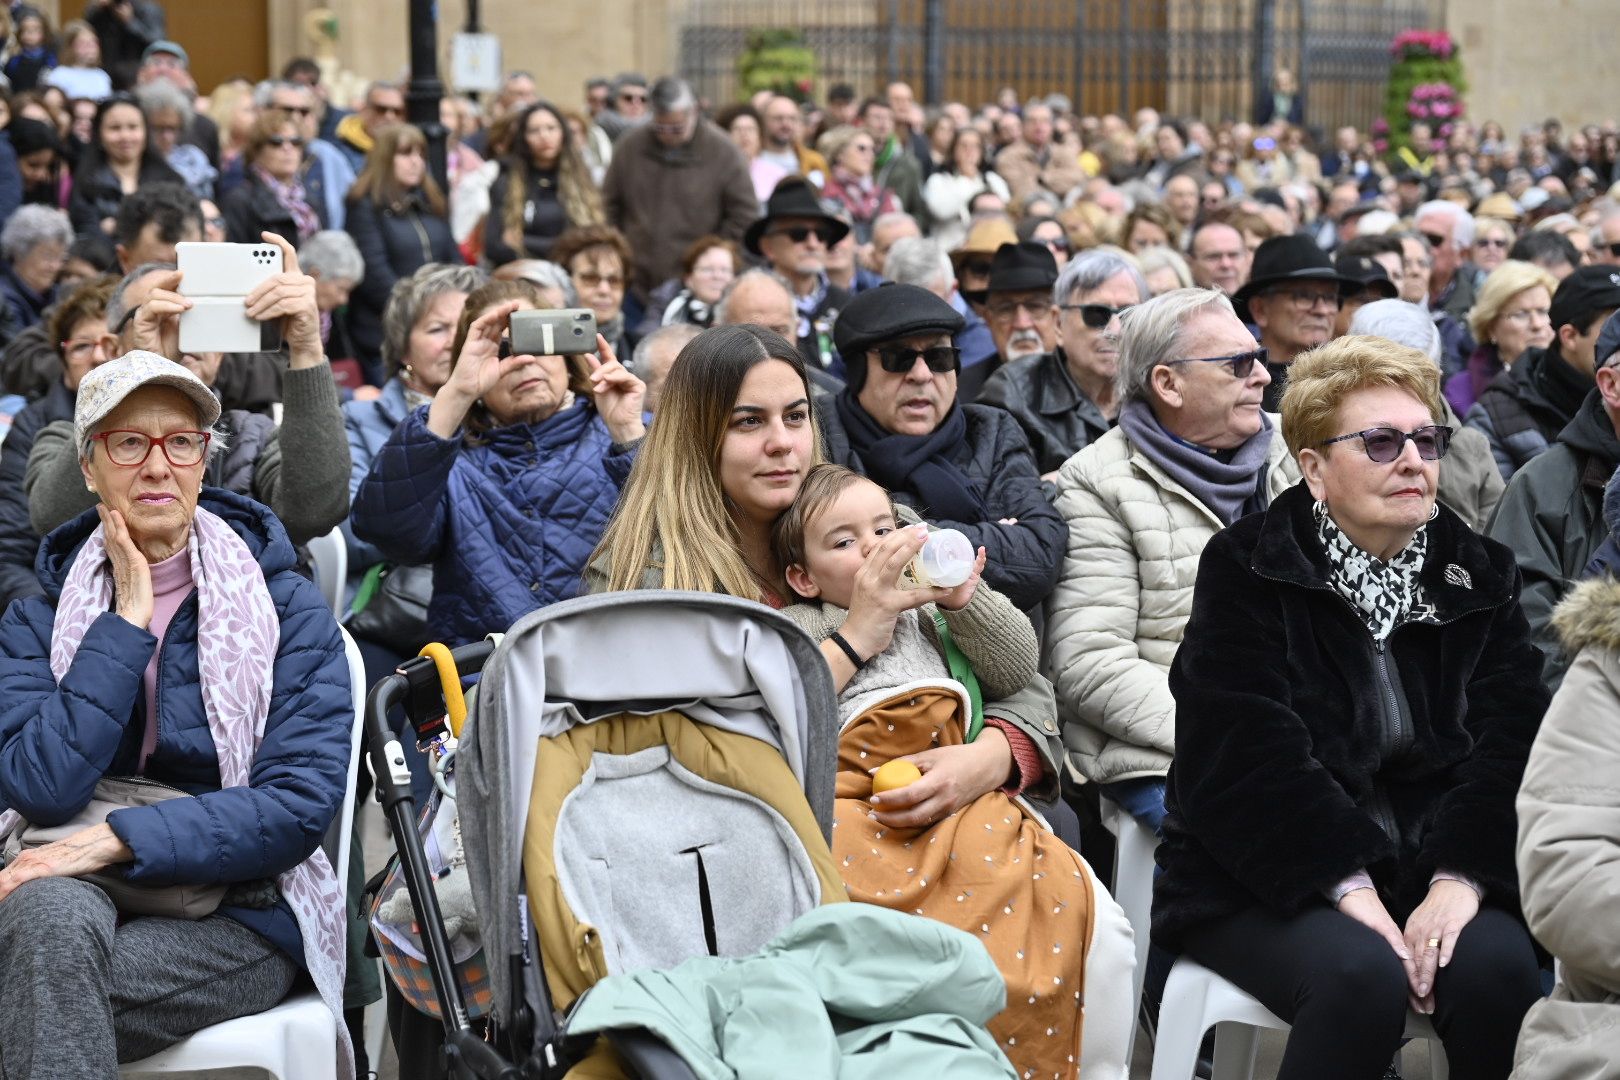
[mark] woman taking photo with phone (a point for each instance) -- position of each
(506, 480)
(397, 216)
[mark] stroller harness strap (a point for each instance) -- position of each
(652, 839)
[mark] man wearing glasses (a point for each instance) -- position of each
(1191, 454)
(1292, 298)
(1017, 304)
(1551, 514)
(1064, 399)
(959, 466)
(673, 180)
(356, 134)
(794, 237)
(627, 105)
(1606, 237)
(1449, 229)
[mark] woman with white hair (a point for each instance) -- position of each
(1470, 483)
(168, 115)
(34, 246)
(1165, 269)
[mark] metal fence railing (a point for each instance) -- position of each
(1194, 58)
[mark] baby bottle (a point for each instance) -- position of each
(945, 561)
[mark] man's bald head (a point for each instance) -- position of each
(762, 298)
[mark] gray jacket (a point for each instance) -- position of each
(310, 495)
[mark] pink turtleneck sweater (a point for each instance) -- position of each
(171, 584)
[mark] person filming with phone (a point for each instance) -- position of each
(299, 468)
(506, 480)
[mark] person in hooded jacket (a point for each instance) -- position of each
(131, 665)
(397, 217)
(506, 480)
(1356, 693)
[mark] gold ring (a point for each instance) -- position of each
(1433, 943)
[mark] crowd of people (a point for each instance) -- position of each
(1284, 462)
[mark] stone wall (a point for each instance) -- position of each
(1528, 61)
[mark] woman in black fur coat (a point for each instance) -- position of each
(1356, 696)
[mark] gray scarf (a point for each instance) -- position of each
(1228, 488)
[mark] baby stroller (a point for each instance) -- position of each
(644, 777)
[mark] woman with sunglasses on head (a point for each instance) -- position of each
(271, 197)
(118, 159)
(543, 189)
(1356, 693)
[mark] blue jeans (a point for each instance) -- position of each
(1142, 798)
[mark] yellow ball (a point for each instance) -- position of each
(894, 774)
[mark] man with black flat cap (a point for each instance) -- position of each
(794, 236)
(1018, 307)
(1292, 298)
(959, 466)
(1523, 411)
(1367, 281)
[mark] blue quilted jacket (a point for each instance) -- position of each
(57, 740)
(508, 521)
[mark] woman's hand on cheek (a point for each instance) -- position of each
(952, 777)
(132, 574)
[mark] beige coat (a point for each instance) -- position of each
(1122, 601)
(1569, 849)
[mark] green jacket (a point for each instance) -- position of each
(1551, 515)
(846, 992)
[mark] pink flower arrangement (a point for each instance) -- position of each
(1423, 43)
(1433, 101)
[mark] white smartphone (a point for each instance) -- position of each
(217, 279)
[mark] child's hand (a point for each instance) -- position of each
(958, 598)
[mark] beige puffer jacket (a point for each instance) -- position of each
(1122, 601)
(1569, 848)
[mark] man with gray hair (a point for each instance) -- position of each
(626, 105)
(925, 264)
(1449, 229)
(655, 354)
(1191, 454)
(1606, 234)
(1064, 399)
(1470, 483)
(356, 134)
(672, 181)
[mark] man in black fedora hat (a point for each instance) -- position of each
(794, 237)
(1292, 298)
(961, 466)
(1018, 307)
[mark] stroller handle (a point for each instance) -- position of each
(415, 683)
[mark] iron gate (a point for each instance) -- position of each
(1193, 58)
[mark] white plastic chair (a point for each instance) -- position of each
(1196, 999)
(330, 557)
(1134, 844)
(297, 1039)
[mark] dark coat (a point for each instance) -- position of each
(251, 209)
(508, 524)
(18, 542)
(99, 194)
(1297, 765)
(27, 307)
(544, 218)
(1524, 409)
(1058, 419)
(59, 739)
(394, 241)
(1023, 559)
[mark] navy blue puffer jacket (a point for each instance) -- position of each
(508, 522)
(58, 740)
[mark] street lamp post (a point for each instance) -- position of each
(425, 90)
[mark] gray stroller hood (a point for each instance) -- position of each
(730, 663)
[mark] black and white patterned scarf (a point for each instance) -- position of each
(1382, 593)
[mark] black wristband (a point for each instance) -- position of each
(849, 650)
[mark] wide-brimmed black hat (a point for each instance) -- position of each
(1286, 258)
(1367, 273)
(1018, 267)
(793, 198)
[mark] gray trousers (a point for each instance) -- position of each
(81, 993)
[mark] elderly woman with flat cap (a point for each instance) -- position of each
(176, 645)
(1356, 695)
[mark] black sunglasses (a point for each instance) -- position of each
(899, 359)
(1435, 240)
(1384, 444)
(800, 233)
(1614, 249)
(979, 267)
(1241, 364)
(284, 140)
(296, 110)
(1096, 316)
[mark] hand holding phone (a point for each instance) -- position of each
(217, 279)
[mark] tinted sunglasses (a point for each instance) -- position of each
(1435, 240)
(1241, 364)
(981, 267)
(899, 359)
(296, 110)
(1614, 249)
(800, 233)
(283, 140)
(1384, 444)
(1096, 316)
